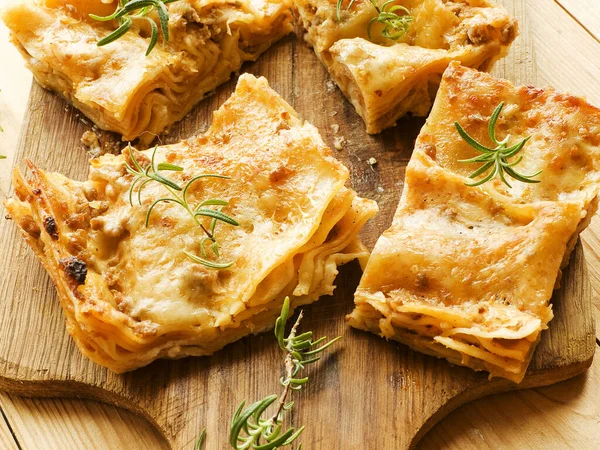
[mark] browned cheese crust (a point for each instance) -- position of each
(130, 294)
(467, 273)
(117, 85)
(385, 79)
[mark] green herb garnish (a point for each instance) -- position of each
(395, 26)
(495, 160)
(249, 429)
(200, 440)
(127, 12)
(179, 195)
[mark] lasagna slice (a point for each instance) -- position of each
(465, 272)
(129, 291)
(120, 88)
(385, 78)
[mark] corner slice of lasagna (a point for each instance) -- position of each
(387, 78)
(466, 272)
(120, 88)
(137, 279)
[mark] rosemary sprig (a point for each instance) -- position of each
(127, 12)
(179, 195)
(395, 26)
(249, 429)
(495, 160)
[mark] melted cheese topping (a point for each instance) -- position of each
(385, 79)
(467, 273)
(142, 298)
(120, 88)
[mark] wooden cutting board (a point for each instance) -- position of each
(367, 394)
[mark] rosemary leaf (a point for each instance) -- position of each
(495, 160)
(179, 195)
(123, 28)
(200, 440)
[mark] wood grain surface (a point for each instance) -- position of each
(366, 179)
(6, 435)
(586, 13)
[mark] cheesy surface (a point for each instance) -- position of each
(120, 88)
(129, 292)
(467, 273)
(385, 79)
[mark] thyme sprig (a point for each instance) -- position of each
(395, 26)
(495, 160)
(179, 195)
(127, 12)
(249, 429)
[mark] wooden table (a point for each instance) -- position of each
(566, 34)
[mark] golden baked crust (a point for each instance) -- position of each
(120, 88)
(467, 273)
(385, 79)
(131, 295)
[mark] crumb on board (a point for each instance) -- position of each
(330, 85)
(82, 119)
(338, 140)
(379, 190)
(91, 143)
(372, 161)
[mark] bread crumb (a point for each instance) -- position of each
(372, 161)
(379, 190)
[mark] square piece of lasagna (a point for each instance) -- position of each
(182, 249)
(467, 269)
(386, 69)
(117, 85)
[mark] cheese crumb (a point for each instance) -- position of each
(372, 161)
(338, 142)
(91, 142)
